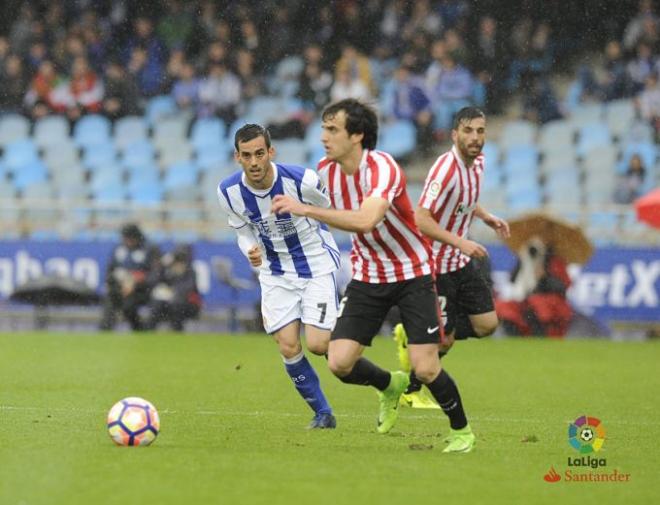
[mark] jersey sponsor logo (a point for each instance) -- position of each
(464, 209)
(277, 228)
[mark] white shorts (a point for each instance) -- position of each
(286, 299)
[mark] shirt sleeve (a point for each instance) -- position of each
(438, 185)
(313, 190)
(234, 220)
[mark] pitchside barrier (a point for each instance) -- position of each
(618, 285)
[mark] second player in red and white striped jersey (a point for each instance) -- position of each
(451, 194)
(394, 250)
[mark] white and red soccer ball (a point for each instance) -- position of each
(133, 421)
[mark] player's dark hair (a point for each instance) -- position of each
(467, 114)
(360, 118)
(249, 132)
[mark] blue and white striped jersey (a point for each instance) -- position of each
(293, 245)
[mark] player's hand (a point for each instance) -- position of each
(472, 249)
(254, 256)
(500, 226)
(285, 204)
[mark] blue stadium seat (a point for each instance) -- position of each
(491, 151)
(98, 155)
(593, 136)
(586, 114)
(524, 201)
(30, 173)
(146, 194)
(13, 127)
(51, 131)
(207, 132)
(619, 115)
(160, 107)
(556, 136)
(169, 131)
(109, 194)
(520, 160)
(315, 155)
(18, 154)
(398, 138)
(130, 129)
(106, 176)
(214, 155)
(138, 153)
(92, 130)
(180, 174)
(143, 174)
(516, 133)
(291, 152)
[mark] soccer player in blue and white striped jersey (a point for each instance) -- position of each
(297, 257)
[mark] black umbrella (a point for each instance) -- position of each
(55, 290)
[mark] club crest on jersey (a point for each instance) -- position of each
(434, 189)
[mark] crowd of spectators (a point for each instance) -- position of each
(410, 58)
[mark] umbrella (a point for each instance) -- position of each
(567, 240)
(55, 290)
(648, 208)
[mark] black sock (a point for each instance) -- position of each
(415, 384)
(464, 328)
(365, 373)
(444, 390)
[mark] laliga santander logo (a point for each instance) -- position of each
(586, 435)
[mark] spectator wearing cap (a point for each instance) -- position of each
(133, 269)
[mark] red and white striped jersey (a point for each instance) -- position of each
(395, 250)
(451, 193)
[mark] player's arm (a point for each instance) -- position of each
(432, 229)
(247, 241)
(500, 226)
(365, 219)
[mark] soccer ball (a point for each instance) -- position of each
(133, 421)
(587, 435)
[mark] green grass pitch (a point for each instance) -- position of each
(233, 428)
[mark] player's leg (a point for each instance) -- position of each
(361, 314)
(475, 314)
(282, 309)
(320, 305)
(418, 306)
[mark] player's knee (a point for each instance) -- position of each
(290, 349)
(427, 372)
(486, 328)
(338, 368)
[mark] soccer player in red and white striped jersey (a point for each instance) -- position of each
(391, 266)
(449, 202)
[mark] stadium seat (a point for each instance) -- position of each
(92, 130)
(515, 133)
(586, 114)
(160, 107)
(51, 131)
(556, 136)
(13, 127)
(619, 115)
(60, 156)
(106, 177)
(170, 130)
(592, 136)
(491, 151)
(180, 174)
(520, 160)
(40, 190)
(214, 155)
(524, 201)
(18, 154)
(207, 132)
(175, 152)
(398, 138)
(98, 155)
(638, 131)
(138, 153)
(291, 152)
(30, 173)
(145, 194)
(314, 155)
(129, 130)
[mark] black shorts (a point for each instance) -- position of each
(463, 291)
(364, 307)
